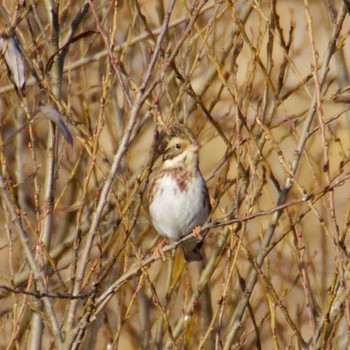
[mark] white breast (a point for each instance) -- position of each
(176, 213)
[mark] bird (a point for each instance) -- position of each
(178, 197)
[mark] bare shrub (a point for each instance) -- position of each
(264, 87)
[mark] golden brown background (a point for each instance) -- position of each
(264, 87)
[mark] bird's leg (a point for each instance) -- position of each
(158, 252)
(197, 233)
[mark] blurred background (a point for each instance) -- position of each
(264, 87)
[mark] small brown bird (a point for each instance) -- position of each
(178, 196)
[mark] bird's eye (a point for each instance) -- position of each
(178, 145)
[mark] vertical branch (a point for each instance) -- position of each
(38, 275)
(141, 96)
(56, 78)
(50, 170)
(240, 310)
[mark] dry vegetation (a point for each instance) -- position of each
(263, 85)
